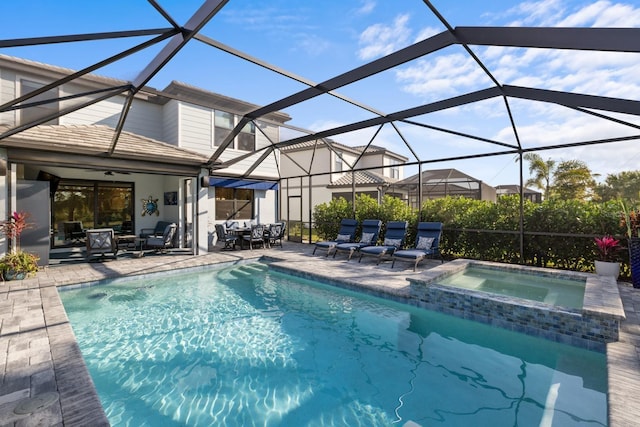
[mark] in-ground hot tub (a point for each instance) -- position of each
(580, 309)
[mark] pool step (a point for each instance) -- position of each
(239, 273)
(253, 268)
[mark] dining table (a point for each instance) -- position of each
(240, 232)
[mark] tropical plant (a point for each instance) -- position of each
(542, 171)
(630, 220)
(608, 248)
(14, 226)
(17, 261)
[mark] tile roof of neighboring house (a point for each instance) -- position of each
(96, 140)
(363, 178)
(373, 149)
(439, 175)
(309, 144)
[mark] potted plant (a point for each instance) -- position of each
(607, 263)
(631, 222)
(16, 264)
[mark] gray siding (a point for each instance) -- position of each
(142, 119)
(196, 128)
(7, 93)
(170, 122)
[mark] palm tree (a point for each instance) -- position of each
(542, 171)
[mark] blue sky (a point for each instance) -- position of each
(319, 40)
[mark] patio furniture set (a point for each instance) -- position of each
(103, 241)
(264, 235)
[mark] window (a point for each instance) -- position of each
(394, 171)
(30, 114)
(337, 164)
(223, 124)
(96, 204)
(247, 137)
(234, 203)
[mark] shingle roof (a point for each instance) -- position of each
(363, 178)
(439, 175)
(372, 149)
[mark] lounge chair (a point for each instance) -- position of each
(346, 233)
(427, 245)
(229, 240)
(161, 244)
(157, 231)
(393, 240)
(368, 237)
(101, 241)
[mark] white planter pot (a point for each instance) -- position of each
(611, 269)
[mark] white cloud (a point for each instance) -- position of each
(535, 13)
(379, 39)
(427, 32)
(366, 8)
(603, 14)
(444, 75)
(312, 45)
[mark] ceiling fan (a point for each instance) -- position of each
(111, 172)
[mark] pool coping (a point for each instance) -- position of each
(28, 345)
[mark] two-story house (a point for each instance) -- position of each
(156, 168)
(330, 165)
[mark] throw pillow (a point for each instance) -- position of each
(366, 238)
(425, 243)
(392, 242)
(343, 237)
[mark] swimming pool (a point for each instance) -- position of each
(553, 290)
(246, 346)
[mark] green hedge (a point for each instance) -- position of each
(490, 231)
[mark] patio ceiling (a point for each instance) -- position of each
(164, 45)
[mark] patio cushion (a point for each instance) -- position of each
(343, 237)
(425, 242)
(392, 242)
(367, 238)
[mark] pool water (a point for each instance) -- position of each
(565, 292)
(249, 347)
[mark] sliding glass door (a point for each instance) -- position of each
(79, 205)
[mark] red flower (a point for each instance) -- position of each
(607, 248)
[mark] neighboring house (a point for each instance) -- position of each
(438, 183)
(528, 194)
(161, 158)
(333, 163)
